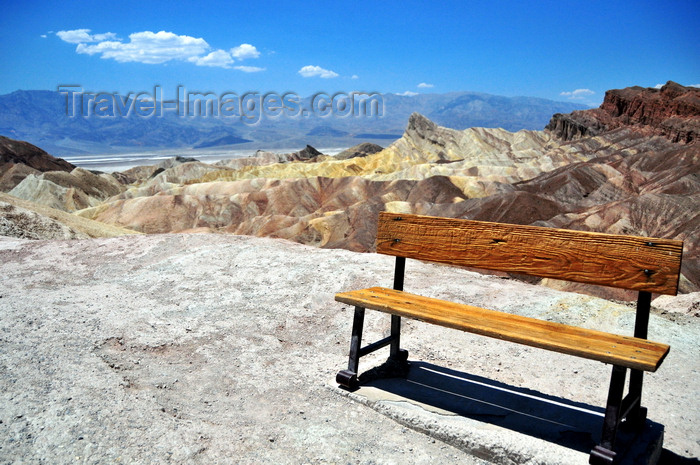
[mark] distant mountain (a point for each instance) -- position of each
(326, 131)
(42, 118)
(224, 140)
(462, 110)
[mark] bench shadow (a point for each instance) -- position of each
(561, 421)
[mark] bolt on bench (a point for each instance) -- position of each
(636, 263)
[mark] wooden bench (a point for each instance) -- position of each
(641, 264)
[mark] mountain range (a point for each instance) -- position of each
(42, 118)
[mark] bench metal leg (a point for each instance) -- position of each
(637, 415)
(603, 453)
(348, 378)
(630, 408)
(397, 353)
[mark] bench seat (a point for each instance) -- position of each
(630, 352)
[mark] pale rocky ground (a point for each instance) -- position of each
(223, 349)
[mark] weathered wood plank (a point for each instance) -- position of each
(630, 352)
(628, 262)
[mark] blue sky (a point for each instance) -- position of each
(561, 50)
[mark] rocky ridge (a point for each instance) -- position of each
(18, 159)
(71, 191)
(673, 111)
(333, 202)
(20, 152)
(361, 150)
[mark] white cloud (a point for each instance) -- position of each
(694, 85)
(658, 86)
(75, 36)
(244, 51)
(43, 36)
(408, 93)
(217, 58)
(158, 47)
(105, 36)
(425, 85)
(249, 69)
(578, 94)
(152, 48)
(317, 71)
(355, 76)
(81, 36)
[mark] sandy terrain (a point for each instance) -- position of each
(222, 349)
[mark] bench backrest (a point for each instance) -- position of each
(628, 262)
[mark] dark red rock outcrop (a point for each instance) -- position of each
(673, 111)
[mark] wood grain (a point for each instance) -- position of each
(628, 262)
(629, 352)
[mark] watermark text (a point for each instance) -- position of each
(249, 107)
